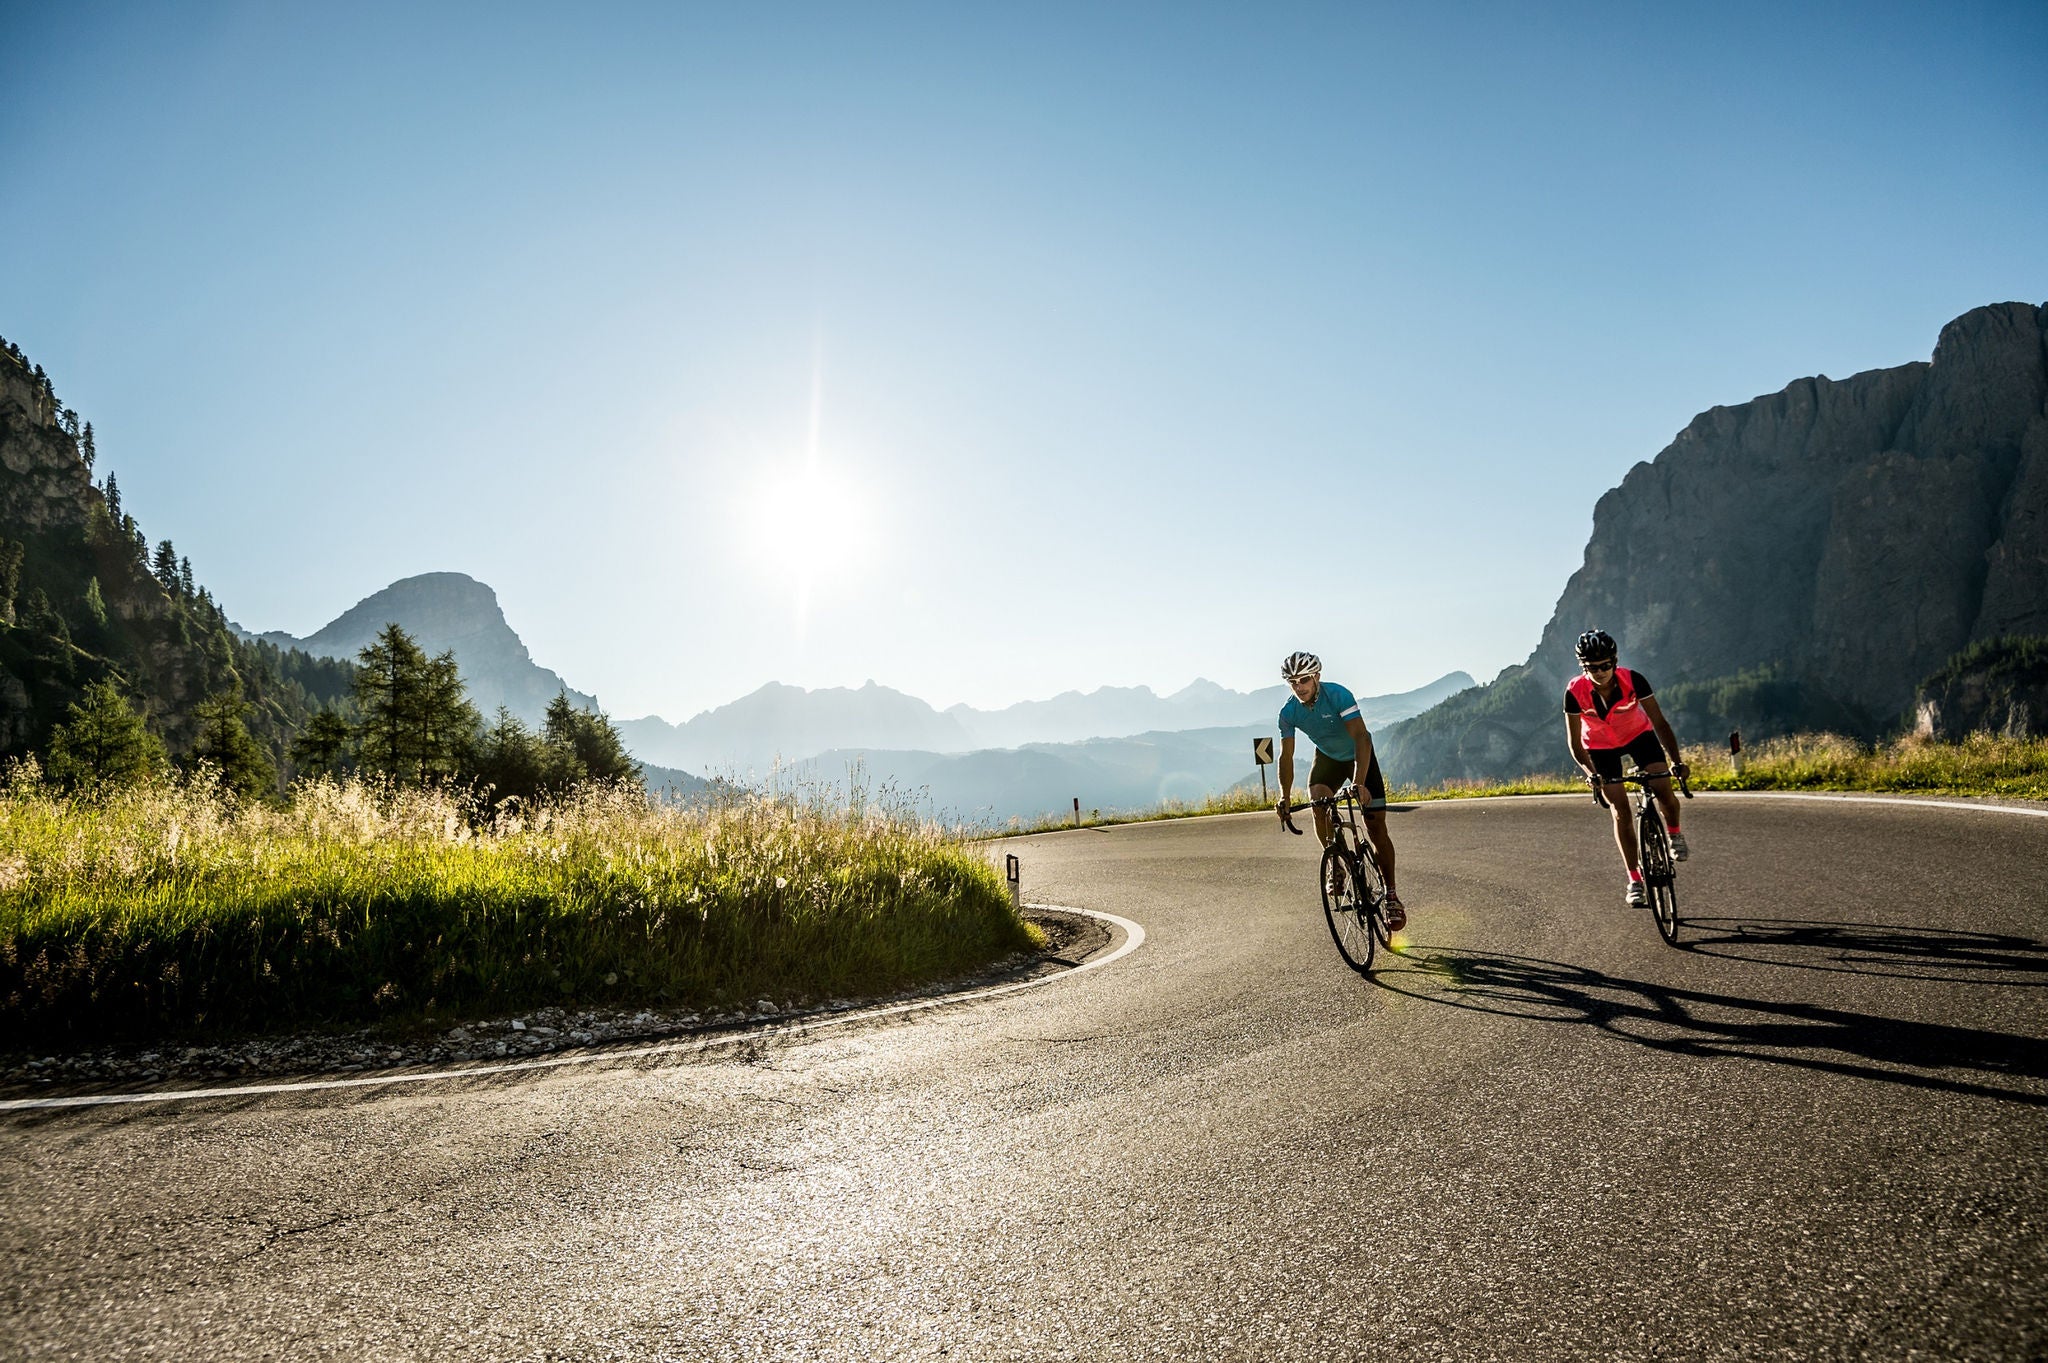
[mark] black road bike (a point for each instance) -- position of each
(1354, 889)
(1653, 846)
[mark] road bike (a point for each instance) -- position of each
(1354, 889)
(1653, 846)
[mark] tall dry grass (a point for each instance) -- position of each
(173, 907)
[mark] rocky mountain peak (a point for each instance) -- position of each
(1845, 536)
(449, 611)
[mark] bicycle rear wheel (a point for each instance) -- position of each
(1347, 907)
(1660, 875)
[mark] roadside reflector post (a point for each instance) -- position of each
(1736, 757)
(1013, 870)
(1077, 811)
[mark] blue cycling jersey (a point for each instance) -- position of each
(1324, 721)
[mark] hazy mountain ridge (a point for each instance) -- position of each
(444, 611)
(1813, 553)
(789, 724)
(989, 787)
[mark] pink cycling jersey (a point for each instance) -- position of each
(1624, 721)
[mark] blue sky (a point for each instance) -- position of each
(986, 352)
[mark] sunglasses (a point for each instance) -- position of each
(1596, 667)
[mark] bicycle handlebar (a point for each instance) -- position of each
(1346, 794)
(1636, 778)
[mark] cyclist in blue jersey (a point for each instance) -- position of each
(1328, 714)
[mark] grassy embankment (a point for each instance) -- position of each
(1981, 765)
(171, 909)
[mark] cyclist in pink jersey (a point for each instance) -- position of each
(1609, 714)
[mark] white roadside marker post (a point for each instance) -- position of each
(1013, 870)
(1736, 757)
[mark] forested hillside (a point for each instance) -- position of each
(85, 598)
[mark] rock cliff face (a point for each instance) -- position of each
(1846, 537)
(444, 611)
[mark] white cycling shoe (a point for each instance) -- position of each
(1638, 895)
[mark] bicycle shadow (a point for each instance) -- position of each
(1882, 949)
(1962, 1060)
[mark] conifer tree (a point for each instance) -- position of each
(166, 566)
(105, 743)
(87, 450)
(323, 745)
(113, 491)
(591, 741)
(225, 743)
(510, 762)
(95, 604)
(417, 722)
(185, 578)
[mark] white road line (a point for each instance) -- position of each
(1411, 806)
(1134, 937)
(1876, 800)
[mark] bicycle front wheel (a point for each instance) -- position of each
(1372, 894)
(1660, 877)
(1348, 907)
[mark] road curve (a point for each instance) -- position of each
(1818, 1131)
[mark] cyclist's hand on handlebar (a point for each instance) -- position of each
(1680, 770)
(1287, 816)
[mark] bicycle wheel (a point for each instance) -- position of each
(1372, 888)
(1660, 875)
(1346, 909)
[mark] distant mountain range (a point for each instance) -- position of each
(1114, 748)
(788, 724)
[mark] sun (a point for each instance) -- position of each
(811, 526)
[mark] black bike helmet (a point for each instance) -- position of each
(1596, 646)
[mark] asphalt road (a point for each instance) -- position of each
(1821, 1131)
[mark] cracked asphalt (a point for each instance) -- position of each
(1819, 1131)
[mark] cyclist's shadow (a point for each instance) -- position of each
(1970, 1060)
(1875, 949)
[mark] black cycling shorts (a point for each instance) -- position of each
(1644, 748)
(1330, 773)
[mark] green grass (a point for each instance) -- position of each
(173, 909)
(1981, 765)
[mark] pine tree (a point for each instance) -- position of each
(590, 740)
(113, 491)
(417, 723)
(510, 763)
(88, 452)
(185, 578)
(166, 567)
(323, 745)
(224, 743)
(105, 743)
(95, 604)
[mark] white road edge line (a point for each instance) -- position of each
(1824, 796)
(1875, 800)
(1134, 937)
